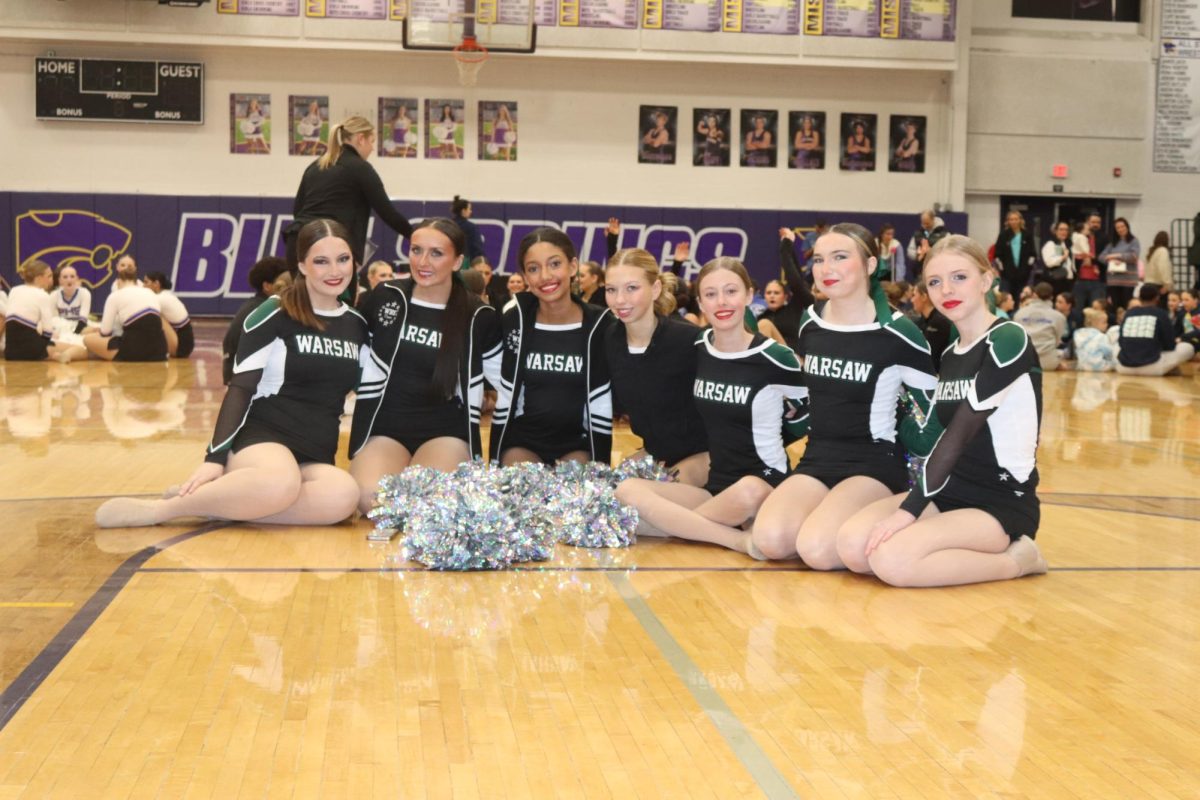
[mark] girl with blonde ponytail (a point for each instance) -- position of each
(652, 355)
(342, 186)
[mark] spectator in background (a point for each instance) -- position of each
(1191, 318)
(483, 267)
(1121, 258)
(1045, 325)
(932, 323)
(1065, 305)
(1016, 254)
(177, 323)
(262, 280)
(1193, 256)
(1089, 275)
(1094, 349)
(1005, 305)
(891, 254)
(378, 272)
(810, 240)
(460, 212)
(932, 229)
(476, 285)
(1059, 263)
(1147, 344)
(1158, 263)
(591, 282)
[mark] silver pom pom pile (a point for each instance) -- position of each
(483, 517)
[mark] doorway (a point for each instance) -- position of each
(1041, 212)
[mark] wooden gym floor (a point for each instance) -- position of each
(210, 660)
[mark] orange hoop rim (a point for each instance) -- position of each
(470, 51)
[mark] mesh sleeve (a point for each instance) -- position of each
(965, 426)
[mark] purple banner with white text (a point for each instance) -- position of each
(208, 244)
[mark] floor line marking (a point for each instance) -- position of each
(32, 677)
(16, 604)
(1163, 514)
(629, 568)
(732, 730)
(77, 497)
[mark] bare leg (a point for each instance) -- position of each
(378, 457)
(693, 470)
(259, 481)
(444, 454)
(518, 455)
(327, 496)
(853, 534)
(172, 338)
(690, 512)
(67, 352)
(97, 345)
(783, 512)
(818, 538)
(578, 456)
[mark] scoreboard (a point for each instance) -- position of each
(120, 91)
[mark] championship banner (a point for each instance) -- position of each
(598, 13)
(682, 15)
(350, 9)
(208, 244)
(263, 8)
(841, 18)
(761, 16)
(1180, 19)
(1177, 107)
(924, 20)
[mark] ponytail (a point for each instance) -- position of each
(340, 136)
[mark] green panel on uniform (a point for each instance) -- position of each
(261, 314)
(909, 330)
(1007, 342)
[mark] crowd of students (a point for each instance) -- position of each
(717, 404)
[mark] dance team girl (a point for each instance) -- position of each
(717, 406)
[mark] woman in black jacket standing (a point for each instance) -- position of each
(1017, 259)
(341, 185)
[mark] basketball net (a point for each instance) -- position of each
(469, 56)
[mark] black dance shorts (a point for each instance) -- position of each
(187, 341)
(719, 482)
(305, 452)
(833, 463)
(414, 428)
(548, 446)
(141, 340)
(23, 343)
(1018, 516)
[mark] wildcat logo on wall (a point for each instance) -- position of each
(207, 245)
(75, 238)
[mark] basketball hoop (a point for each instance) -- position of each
(469, 56)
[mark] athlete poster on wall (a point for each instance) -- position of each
(657, 128)
(760, 143)
(445, 128)
(858, 142)
(497, 130)
(683, 15)
(711, 137)
(761, 16)
(266, 8)
(250, 124)
(906, 143)
(806, 133)
(309, 114)
(841, 18)
(398, 129)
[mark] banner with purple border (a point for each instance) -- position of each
(208, 244)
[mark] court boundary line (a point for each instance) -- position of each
(756, 762)
(77, 497)
(1162, 514)
(53, 652)
(632, 569)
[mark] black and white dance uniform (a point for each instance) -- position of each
(290, 383)
(28, 324)
(176, 315)
(787, 318)
(554, 396)
(743, 399)
(981, 436)
(397, 398)
(653, 385)
(76, 308)
(855, 375)
(133, 318)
